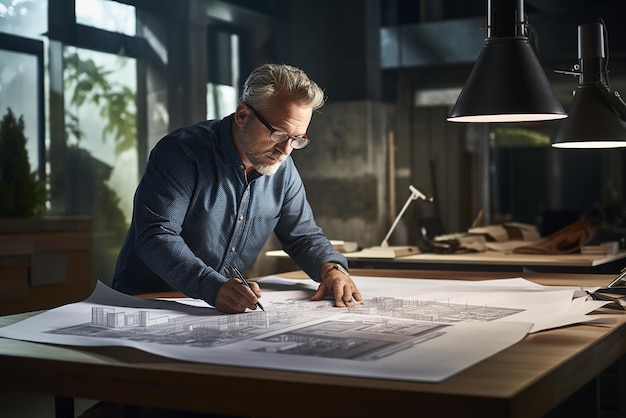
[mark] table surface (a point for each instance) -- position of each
(494, 257)
(527, 379)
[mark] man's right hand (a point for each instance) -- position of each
(235, 297)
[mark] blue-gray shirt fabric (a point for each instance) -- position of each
(195, 212)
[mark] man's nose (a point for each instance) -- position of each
(285, 147)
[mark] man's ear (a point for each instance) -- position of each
(240, 113)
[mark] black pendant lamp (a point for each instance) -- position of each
(507, 83)
(597, 116)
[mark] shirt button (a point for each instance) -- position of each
(243, 167)
(241, 217)
(232, 249)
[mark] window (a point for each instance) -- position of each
(18, 75)
(100, 120)
(21, 71)
(24, 18)
(222, 88)
(108, 15)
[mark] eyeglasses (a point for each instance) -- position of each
(280, 136)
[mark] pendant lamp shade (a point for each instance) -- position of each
(592, 124)
(597, 117)
(507, 83)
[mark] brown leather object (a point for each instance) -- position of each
(569, 239)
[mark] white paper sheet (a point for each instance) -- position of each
(406, 329)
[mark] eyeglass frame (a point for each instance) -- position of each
(294, 139)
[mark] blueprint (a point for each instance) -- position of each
(399, 335)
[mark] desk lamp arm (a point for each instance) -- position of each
(415, 194)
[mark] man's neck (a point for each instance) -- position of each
(242, 155)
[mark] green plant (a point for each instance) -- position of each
(88, 82)
(21, 194)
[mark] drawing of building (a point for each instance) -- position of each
(108, 317)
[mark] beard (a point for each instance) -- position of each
(260, 161)
(264, 161)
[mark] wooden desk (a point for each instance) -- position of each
(526, 380)
(500, 262)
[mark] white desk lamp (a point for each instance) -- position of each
(387, 251)
(415, 194)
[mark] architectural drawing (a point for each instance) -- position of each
(379, 327)
(413, 330)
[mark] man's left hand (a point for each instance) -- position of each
(340, 285)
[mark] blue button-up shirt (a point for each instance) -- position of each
(195, 212)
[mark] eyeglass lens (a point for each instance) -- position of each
(297, 142)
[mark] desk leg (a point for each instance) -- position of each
(622, 386)
(63, 407)
(132, 411)
(583, 403)
(613, 390)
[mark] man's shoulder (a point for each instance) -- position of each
(199, 134)
(198, 130)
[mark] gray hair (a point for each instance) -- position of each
(270, 80)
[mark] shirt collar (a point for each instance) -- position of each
(226, 141)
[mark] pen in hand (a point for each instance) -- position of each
(245, 282)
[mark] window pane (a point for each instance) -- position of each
(18, 81)
(24, 18)
(101, 164)
(221, 100)
(100, 105)
(107, 15)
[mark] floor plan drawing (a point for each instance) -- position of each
(378, 327)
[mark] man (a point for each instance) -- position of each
(213, 193)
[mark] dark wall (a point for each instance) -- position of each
(337, 42)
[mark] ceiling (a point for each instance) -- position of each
(436, 42)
